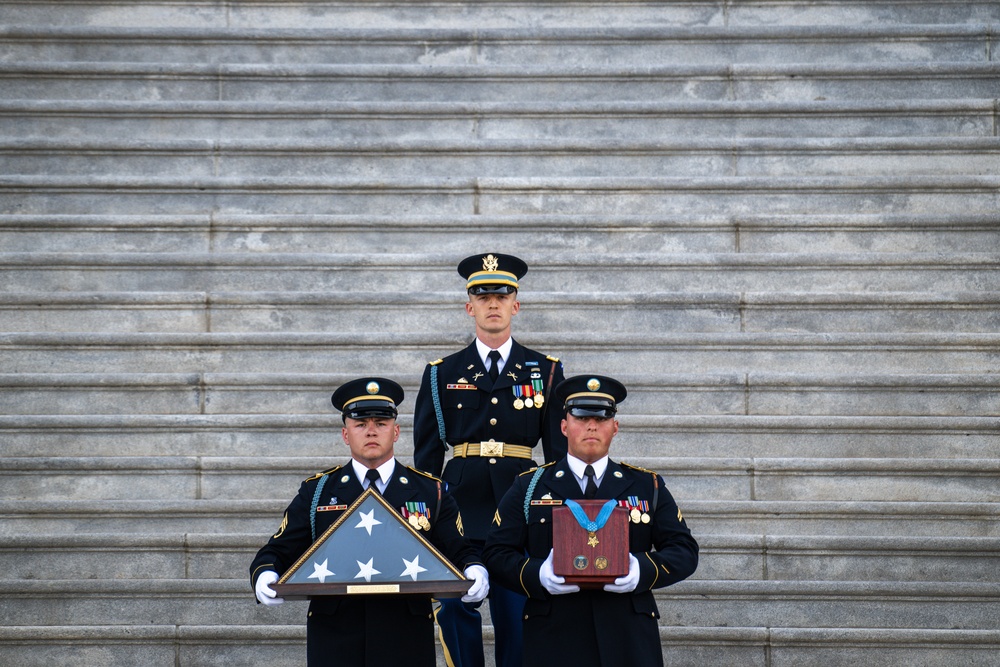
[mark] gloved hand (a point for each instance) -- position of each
(553, 584)
(265, 593)
(480, 583)
(627, 583)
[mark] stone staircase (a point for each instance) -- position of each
(777, 222)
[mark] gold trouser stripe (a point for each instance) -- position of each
(498, 449)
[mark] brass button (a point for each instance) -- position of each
(493, 422)
(493, 460)
(459, 406)
(495, 400)
(543, 519)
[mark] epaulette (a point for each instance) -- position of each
(421, 472)
(436, 362)
(531, 471)
(325, 472)
(629, 465)
(554, 360)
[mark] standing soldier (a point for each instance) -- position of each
(378, 629)
(488, 405)
(614, 624)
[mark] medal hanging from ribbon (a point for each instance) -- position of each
(591, 526)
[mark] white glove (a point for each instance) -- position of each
(267, 595)
(550, 582)
(480, 583)
(627, 583)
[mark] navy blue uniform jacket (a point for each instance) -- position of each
(481, 410)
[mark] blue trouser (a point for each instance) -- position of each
(462, 629)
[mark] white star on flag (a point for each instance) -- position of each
(367, 521)
(321, 572)
(366, 570)
(413, 568)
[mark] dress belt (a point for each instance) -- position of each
(491, 448)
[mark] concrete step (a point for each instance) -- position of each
(650, 395)
(505, 119)
(724, 436)
(744, 557)
(432, 45)
(284, 645)
(224, 233)
(459, 14)
(142, 644)
(652, 312)
(720, 517)
(828, 604)
(701, 157)
(671, 197)
(769, 479)
(483, 83)
(692, 603)
(670, 272)
(614, 354)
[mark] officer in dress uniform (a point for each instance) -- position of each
(486, 406)
(611, 625)
(368, 630)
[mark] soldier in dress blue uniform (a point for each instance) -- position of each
(368, 630)
(487, 406)
(611, 625)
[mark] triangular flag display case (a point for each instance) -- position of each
(371, 549)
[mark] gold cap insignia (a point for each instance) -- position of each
(490, 263)
(593, 384)
(372, 387)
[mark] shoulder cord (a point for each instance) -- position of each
(531, 491)
(436, 398)
(315, 503)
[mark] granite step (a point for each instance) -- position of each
(650, 395)
(452, 235)
(534, 157)
(614, 354)
(459, 14)
(692, 603)
(563, 271)
(766, 479)
(742, 557)
(504, 119)
(724, 436)
(485, 83)
(284, 645)
(670, 197)
(846, 518)
(433, 45)
(651, 312)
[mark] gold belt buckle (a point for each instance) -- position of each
(491, 448)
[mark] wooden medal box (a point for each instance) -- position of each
(590, 561)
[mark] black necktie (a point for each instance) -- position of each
(494, 356)
(372, 476)
(591, 490)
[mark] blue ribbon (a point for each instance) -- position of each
(584, 520)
